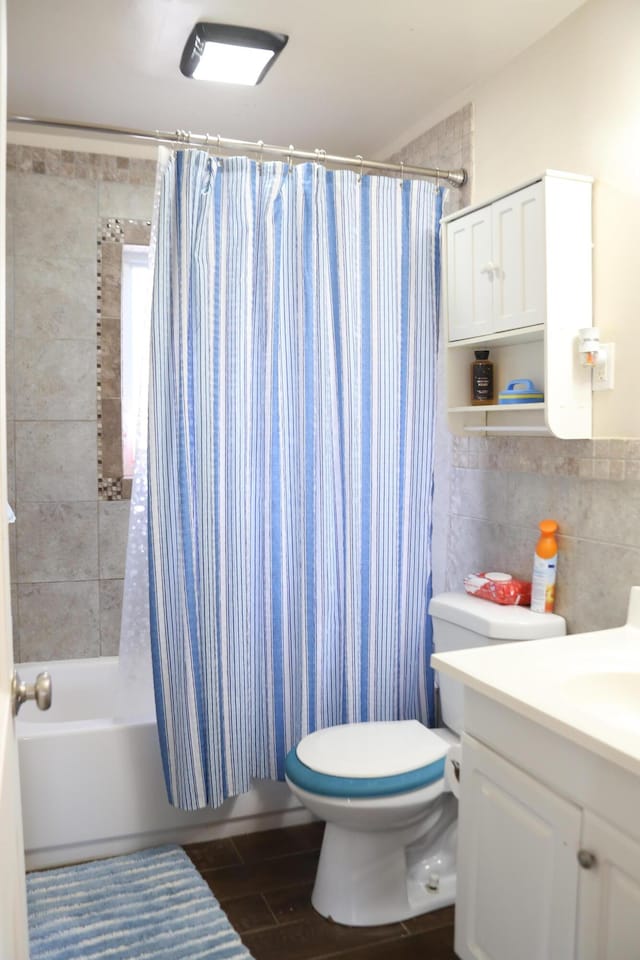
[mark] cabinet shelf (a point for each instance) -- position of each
(540, 431)
(497, 407)
(504, 338)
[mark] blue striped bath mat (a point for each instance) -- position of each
(152, 905)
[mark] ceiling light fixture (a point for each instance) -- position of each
(226, 54)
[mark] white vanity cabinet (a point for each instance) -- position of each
(540, 875)
(548, 859)
(518, 875)
(517, 281)
(609, 894)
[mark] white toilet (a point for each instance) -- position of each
(389, 848)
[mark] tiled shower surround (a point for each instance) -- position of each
(68, 546)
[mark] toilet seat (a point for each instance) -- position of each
(367, 760)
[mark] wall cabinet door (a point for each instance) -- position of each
(517, 866)
(609, 894)
(495, 266)
(518, 259)
(470, 276)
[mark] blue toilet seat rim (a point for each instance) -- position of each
(327, 785)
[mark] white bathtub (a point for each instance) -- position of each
(93, 787)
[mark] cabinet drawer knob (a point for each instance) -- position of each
(586, 859)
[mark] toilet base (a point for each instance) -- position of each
(368, 878)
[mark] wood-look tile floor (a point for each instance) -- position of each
(263, 882)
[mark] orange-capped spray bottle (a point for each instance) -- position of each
(545, 564)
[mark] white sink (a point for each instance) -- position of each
(613, 698)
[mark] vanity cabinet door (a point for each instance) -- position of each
(517, 865)
(609, 893)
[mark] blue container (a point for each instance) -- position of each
(521, 391)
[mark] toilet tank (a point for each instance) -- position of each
(461, 621)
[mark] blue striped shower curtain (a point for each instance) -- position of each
(291, 422)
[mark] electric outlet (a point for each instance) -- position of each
(602, 375)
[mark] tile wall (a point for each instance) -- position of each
(67, 545)
(448, 145)
(500, 488)
(491, 493)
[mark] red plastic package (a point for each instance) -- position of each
(499, 588)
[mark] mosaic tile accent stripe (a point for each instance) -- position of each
(112, 235)
(599, 459)
(78, 165)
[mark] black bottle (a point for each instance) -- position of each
(481, 378)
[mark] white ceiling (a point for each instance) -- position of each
(355, 75)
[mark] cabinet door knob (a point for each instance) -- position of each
(488, 267)
(586, 859)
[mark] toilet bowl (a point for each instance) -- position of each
(384, 788)
(388, 851)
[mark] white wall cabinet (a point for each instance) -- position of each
(517, 281)
(539, 876)
(495, 267)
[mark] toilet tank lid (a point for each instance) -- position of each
(494, 620)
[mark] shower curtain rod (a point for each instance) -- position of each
(455, 178)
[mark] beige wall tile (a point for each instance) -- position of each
(57, 379)
(476, 493)
(110, 616)
(613, 515)
(55, 217)
(11, 463)
(114, 530)
(15, 621)
(57, 542)
(111, 438)
(110, 359)
(531, 499)
(132, 201)
(56, 298)
(56, 460)
(604, 573)
(59, 621)
(110, 279)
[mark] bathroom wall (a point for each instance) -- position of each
(68, 543)
(572, 102)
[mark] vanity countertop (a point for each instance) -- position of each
(584, 686)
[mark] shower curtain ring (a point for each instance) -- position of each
(261, 148)
(401, 174)
(437, 178)
(290, 157)
(321, 155)
(361, 159)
